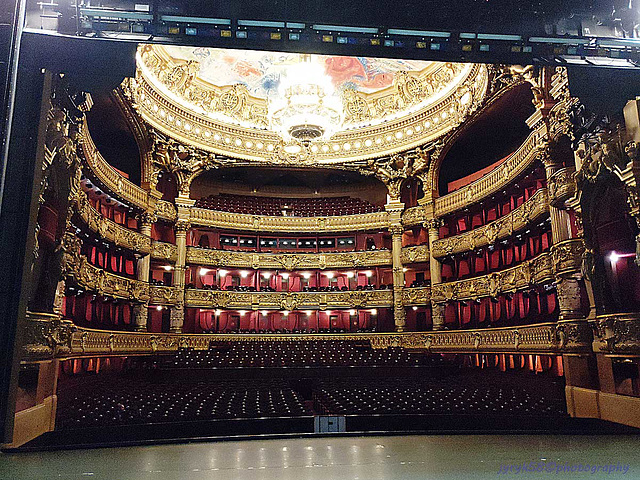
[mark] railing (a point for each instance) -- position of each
(530, 272)
(46, 336)
(116, 183)
(258, 223)
(110, 230)
(288, 300)
(526, 214)
(494, 181)
(94, 279)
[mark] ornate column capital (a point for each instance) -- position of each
(182, 227)
(396, 230)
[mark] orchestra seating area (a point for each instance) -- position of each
(455, 394)
(121, 401)
(137, 397)
(312, 353)
(276, 207)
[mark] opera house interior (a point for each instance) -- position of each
(237, 241)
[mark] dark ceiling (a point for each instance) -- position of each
(499, 131)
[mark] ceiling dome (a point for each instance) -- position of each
(219, 100)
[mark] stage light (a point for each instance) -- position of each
(242, 312)
(244, 273)
(159, 308)
(266, 275)
(306, 275)
(415, 308)
(368, 273)
(614, 257)
(350, 274)
(329, 274)
(217, 312)
(286, 313)
(352, 312)
(168, 268)
(374, 311)
(308, 313)
(285, 275)
(264, 313)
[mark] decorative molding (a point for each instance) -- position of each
(515, 165)
(462, 89)
(617, 333)
(94, 279)
(523, 276)
(568, 256)
(562, 186)
(164, 251)
(414, 216)
(48, 336)
(416, 296)
(108, 229)
(161, 295)
(288, 300)
(415, 254)
(522, 217)
(258, 223)
(287, 261)
(117, 185)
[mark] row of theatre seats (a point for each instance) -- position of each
(450, 395)
(136, 400)
(312, 353)
(118, 402)
(300, 207)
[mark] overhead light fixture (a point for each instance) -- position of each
(223, 273)
(168, 268)
(306, 275)
(305, 108)
(285, 275)
(350, 274)
(244, 273)
(203, 271)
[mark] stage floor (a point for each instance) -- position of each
(354, 458)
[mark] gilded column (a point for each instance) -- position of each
(141, 310)
(395, 212)
(435, 269)
(177, 311)
(564, 252)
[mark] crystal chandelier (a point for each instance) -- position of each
(305, 108)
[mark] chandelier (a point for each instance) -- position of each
(305, 108)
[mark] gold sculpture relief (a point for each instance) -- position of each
(568, 256)
(416, 296)
(161, 295)
(519, 219)
(164, 251)
(562, 186)
(288, 300)
(108, 229)
(528, 273)
(256, 223)
(415, 254)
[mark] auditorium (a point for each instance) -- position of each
(349, 244)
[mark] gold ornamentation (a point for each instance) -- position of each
(108, 229)
(460, 90)
(535, 271)
(568, 256)
(415, 254)
(416, 296)
(519, 219)
(288, 300)
(164, 251)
